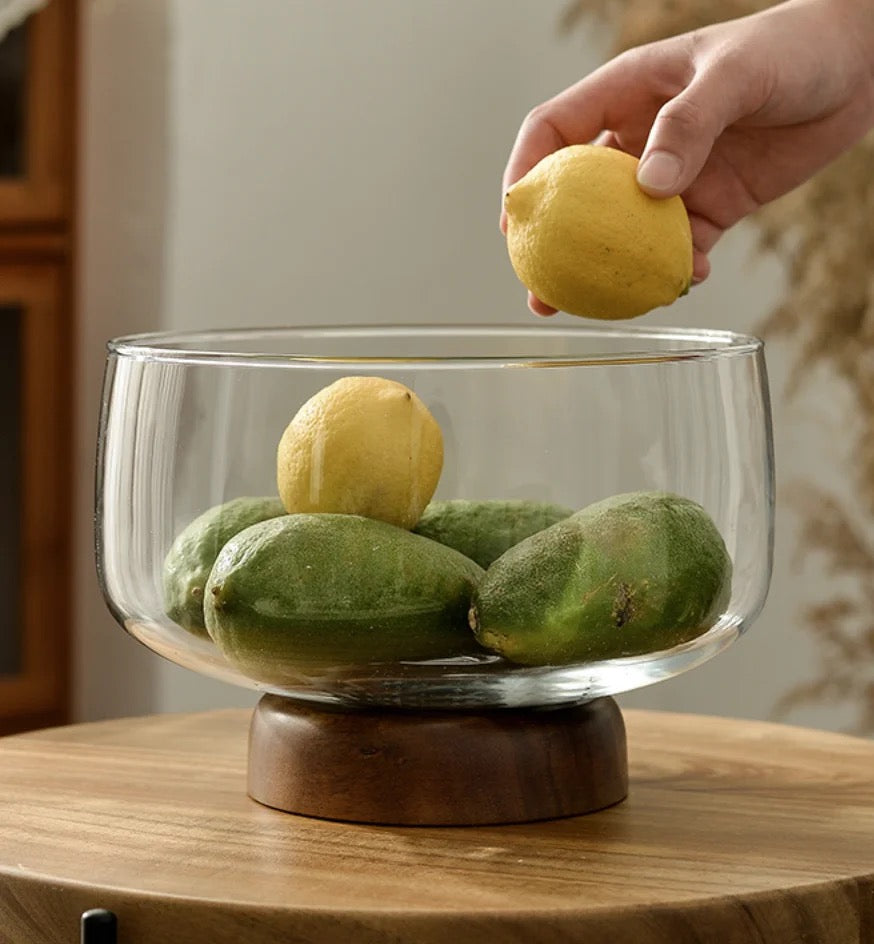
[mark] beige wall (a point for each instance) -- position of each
(291, 162)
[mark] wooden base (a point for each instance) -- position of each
(437, 768)
(737, 832)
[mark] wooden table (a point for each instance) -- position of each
(733, 832)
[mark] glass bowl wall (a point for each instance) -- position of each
(562, 414)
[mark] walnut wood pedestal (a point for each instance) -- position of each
(732, 833)
(437, 768)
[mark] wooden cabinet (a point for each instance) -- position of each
(36, 365)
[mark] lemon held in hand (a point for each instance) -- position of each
(361, 446)
(585, 239)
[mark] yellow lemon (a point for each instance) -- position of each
(585, 239)
(361, 446)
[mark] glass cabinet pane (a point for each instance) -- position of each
(10, 488)
(13, 80)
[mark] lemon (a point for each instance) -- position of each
(585, 239)
(361, 446)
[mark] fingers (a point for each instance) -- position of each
(687, 126)
(538, 307)
(537, 137)
(700, 267)
(705, 233)
(661, 102)
(576, 115)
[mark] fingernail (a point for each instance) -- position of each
(659, 171)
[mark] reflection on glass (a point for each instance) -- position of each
(13, 76)
(568, 417)
(10, 488)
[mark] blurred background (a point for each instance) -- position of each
(209, 163)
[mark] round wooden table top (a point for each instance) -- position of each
(732, 832)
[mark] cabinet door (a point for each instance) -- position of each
(36, 101)
(35, 495)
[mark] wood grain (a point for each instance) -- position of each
(37, 260)
(34, 245)
(39, 692)
(733, 833)
(44, 195)
(438, 768)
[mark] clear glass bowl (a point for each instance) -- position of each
(569, 415)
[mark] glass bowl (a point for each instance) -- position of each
(538, 414)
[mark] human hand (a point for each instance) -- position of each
(730, 116)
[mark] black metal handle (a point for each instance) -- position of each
(99, 926)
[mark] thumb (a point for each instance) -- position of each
(683, 135)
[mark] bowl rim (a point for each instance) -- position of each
(193, 346)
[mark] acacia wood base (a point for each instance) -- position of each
(437, 768)
(735, 832)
